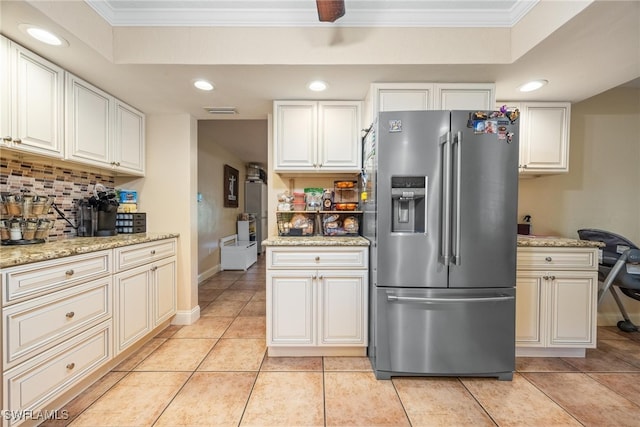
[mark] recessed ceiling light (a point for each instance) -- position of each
(532, 85)
(45, 36)
(317, 86)
(203, 85)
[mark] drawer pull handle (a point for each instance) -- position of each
(69, 273)
(153, 252)
(317, 259)
(548, 259)
(70, 314)
(71, 365)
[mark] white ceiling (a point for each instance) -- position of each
(149, 57)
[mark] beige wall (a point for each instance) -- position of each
(168, 192)
(214, 220)
(602, 189)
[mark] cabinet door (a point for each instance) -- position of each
(165, 290)
(37, 125)
(544, 142)
(530, 309)
(88, 125)
(132, 308)
(290, 308)
(5, 93)
(572, 309)
(404, 100)
(339, 147)
(128, 139)
(342, 302)
(465, 96)
(295, 134)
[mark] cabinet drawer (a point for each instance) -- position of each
(317, 257)
(557, 259)
(136, 255)
(35, 383)
(35, 325)
(38, 278)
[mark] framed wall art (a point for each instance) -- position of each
(230, 186)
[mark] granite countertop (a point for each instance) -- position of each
(556, 242)
(316, 241)
(24, 254)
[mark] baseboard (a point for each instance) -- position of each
(186, 317)
(208, 273)
(612, 318)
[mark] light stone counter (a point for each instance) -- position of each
(556, 242)
(11, 256)
(316, 241)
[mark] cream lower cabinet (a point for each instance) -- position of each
(556, 301)
(57, 330)
(145, 290)
(317, 311)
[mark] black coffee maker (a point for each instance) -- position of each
(97, 215)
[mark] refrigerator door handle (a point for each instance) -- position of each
(457, 141)
(447, 300)
(446, 206)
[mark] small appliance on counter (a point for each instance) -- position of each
(24, 219)
(97, 214)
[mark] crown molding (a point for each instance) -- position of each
(266, 13)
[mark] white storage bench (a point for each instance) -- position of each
(237, 255)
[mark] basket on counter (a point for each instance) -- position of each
(341, 223)
(296, 223)
(23, 219)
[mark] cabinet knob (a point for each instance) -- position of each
(71, 365)
(154, 268)
(7, 139)
(117, 163)
(70, 314)
(548, 259)
(545, 277)
(69, 273)
(153, 252)
(317, 259)
(314, 277)
(17, 141)
(320, 277)
(552, 277)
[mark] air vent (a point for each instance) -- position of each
(221, 110)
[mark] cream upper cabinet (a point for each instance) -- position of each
(129, 139)
(89, 116)
(32, 102)
(101, 130)
(464, 96)
(428, 96)
(544, 136)
(317, 136)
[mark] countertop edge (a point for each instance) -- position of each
(316, 241)
(13, 256)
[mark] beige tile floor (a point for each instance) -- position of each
(216, 373)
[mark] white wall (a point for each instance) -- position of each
(602, 189)
(168, 195)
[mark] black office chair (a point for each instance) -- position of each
(620, 266)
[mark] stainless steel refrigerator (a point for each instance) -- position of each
(255, 202)
(441, 215)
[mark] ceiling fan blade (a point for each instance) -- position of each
(330, 10)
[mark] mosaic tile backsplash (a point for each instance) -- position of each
(67, 187)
